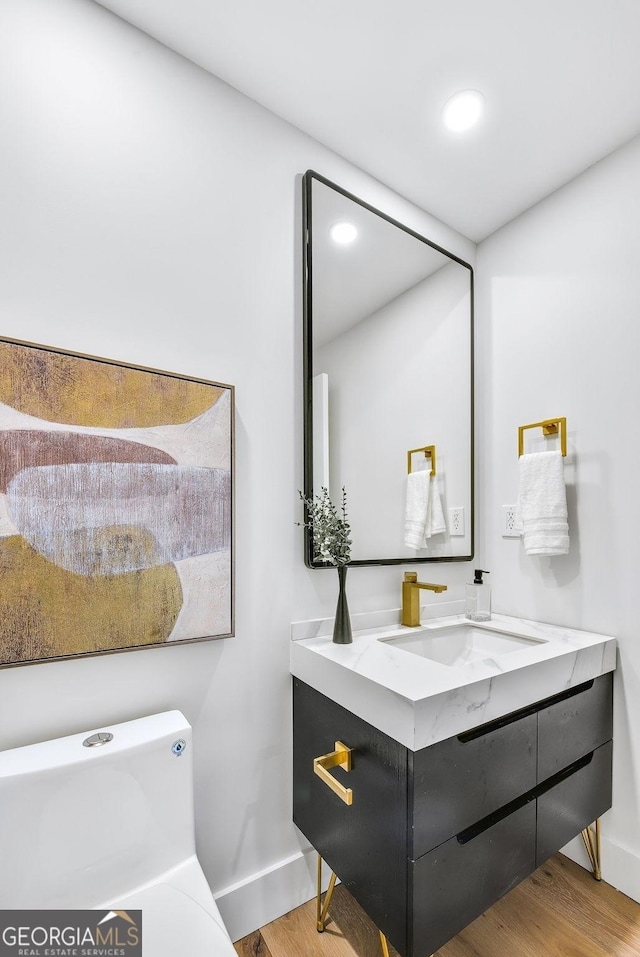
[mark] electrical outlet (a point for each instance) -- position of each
(456, 521)
(509, 522)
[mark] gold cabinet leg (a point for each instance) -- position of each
(321, 910)
(384, 944)
(591, 838)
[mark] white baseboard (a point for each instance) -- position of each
(275, 891)
(620, 867)
(269, 894)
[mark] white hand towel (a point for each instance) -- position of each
(423, 516)
(415, 521)
(435, 523)
(541, 512)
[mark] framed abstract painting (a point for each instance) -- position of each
(116, 495)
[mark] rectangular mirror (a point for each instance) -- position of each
(388, 368)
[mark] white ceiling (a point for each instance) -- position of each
(351, 283)
(368, 78)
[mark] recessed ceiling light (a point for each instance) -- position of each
(343, 233)
(463, 110)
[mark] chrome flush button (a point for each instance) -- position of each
(178, 747)
(98, 739)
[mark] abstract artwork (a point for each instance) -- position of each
(115, 506)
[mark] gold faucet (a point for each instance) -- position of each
(411, 598)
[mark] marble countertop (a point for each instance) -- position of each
(417, 701)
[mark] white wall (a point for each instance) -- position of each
(151, 214)
(558, 334)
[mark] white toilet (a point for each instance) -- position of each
(105, 820)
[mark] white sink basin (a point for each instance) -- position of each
(461, 644)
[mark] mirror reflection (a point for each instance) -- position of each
(388, 369)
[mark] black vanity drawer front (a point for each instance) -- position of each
(365, 843)
(574, 726)
(456, 882)
(574, 801)
(463, 779)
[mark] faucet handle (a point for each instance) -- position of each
(411, 576)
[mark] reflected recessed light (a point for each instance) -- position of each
(463, 110)
(343, 233)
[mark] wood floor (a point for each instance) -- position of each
(560, 911)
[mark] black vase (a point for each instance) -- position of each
(342, 625)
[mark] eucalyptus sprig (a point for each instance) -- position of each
(331, 531)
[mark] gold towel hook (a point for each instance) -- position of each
(549, 427)
(429, 452)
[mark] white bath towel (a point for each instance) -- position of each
(423, 516)
(541, 512)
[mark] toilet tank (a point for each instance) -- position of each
(82, 825)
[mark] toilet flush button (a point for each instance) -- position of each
(98, 739)
(178, 747)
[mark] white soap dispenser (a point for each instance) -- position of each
(477, 598)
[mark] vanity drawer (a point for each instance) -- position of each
(578, 797)
(574, 725)
(364, 843)
(456, 882)
(461, 780)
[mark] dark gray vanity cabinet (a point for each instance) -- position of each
(434, 837)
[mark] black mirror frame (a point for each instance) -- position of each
(307, 347)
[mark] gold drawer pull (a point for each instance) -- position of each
(340, 758)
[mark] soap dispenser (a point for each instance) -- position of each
(477, 598)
